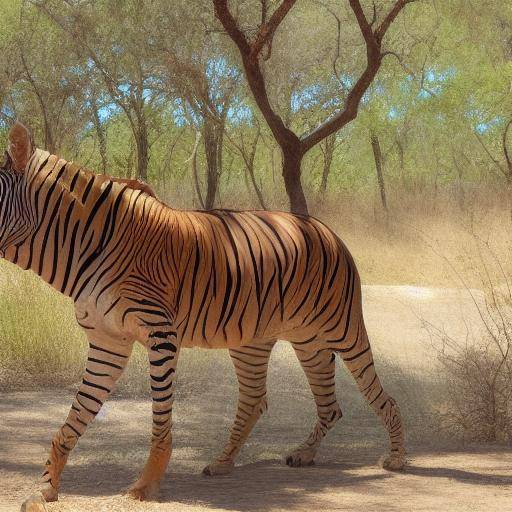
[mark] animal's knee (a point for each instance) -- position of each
(261, 406)
(330, 417)
(254, 401)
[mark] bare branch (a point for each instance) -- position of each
(264, 11)
(253, 73)
(373, 41)
(268, 29)
(400, 60)
(388, 20)
(229, 23)
(374, 15)
(337, 55)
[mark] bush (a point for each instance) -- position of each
(478, 369)
(479, 381)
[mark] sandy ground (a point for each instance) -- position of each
(346, 475)
(405, 322)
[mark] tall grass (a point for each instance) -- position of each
(40, 341)
(42, 346)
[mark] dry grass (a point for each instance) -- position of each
(38, 333)
(420, 240)
(478, 367)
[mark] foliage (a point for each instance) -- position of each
(127, 97)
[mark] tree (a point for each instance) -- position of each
(247, 150)
(45, 94)
(118, 54)
(292, 146)
(206, 90)
(379, 167)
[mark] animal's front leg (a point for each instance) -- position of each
(105, 364)
(163, 354)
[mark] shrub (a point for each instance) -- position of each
(478, 369)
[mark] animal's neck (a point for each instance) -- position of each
(74, 215)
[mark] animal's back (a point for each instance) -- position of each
(253, 276)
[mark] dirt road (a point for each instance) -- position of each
(346, 476)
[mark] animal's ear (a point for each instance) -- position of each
(20, 147)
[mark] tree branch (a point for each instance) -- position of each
(268, 29)
(374, 55)
(489, 154)
(388, 20)
(253, 73)
(229, 23)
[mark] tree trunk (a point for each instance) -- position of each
(292, 160)
(259, 194)
(100, 132)
(213, 154)
(377, 153)
(328, 152)
(142, 153)
(401, 158)
(140, 133)
(195, 174)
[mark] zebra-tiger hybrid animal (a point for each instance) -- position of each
(139, 270)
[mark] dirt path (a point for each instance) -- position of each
(346, 476)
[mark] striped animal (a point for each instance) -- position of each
(139, 270)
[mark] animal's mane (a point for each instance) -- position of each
(134, 184)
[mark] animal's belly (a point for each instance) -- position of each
(220, 342)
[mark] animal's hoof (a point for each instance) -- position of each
(218, 468)
(300, 458)
(143, 491)
(394, 462)
(50, 494)
(35, 503)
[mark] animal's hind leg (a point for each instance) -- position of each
(319, 368)
(251, 362)
(359, 360)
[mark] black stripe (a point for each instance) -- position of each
(90, 397)
(95, 347)
(106, 363)
(163, 377)
(93, 385)
(88, 189)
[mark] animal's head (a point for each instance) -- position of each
(14, 213)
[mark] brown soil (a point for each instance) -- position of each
(346, 475)
(344, 478)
